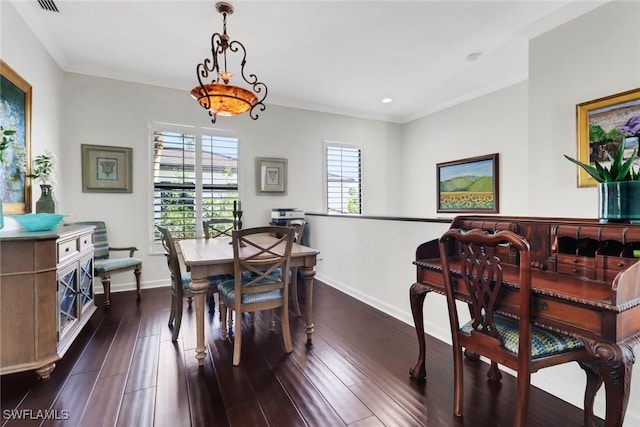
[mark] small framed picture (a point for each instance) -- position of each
(271, 175)
(106, 169)
(469, 185)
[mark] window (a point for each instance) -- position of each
(343, 166)
(195, 176)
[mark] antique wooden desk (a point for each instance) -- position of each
(207, 257)
(586, 282)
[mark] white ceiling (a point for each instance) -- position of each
(334, 56)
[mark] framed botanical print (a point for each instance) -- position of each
(106, 169)
(271, 175)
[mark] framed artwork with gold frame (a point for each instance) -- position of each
(15, 114)
(602, 125)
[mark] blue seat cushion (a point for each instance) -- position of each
(227, 289)
(112, 264)
(213, 280)
(543, 341)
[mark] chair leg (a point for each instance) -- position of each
(286, 333)
(272, 320)
(223, 320)
(252, 319)
(237, 339)
(172, 315)
(212, 303)
(106, 285)
(178, 321)
(189, 301)
(137, 273)
(458, 381)
(293, 290)
(522, 399)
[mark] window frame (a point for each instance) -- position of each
(198, 133)
(325, 181)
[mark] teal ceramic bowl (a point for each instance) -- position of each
(39, 221)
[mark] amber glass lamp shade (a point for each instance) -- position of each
(223, 99)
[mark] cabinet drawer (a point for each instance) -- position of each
(576, 270)
(67, 248)
(578, 261)
(85, 241)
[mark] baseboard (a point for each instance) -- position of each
(125, 287)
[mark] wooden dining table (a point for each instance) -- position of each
(208, 257)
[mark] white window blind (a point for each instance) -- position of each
(195, 175)
(343, 178)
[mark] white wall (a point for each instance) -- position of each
(109, 112)
(22, 51)
(593, 56)
(494, 123)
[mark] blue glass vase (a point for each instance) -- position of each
(619, 202)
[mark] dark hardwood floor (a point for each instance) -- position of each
(124, 370)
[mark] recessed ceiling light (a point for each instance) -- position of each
(386, 100)
(473, 56)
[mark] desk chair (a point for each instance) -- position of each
(260, 282)
(514, 343)
(298, 227)
(217, 227)
(180, 282)
(104, 266)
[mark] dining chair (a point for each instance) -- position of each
(180, 282)
(471, 267)
(217, 227)
(298, 227)
(260, 281)
(104, 265)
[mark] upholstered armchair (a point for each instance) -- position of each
(104, 265)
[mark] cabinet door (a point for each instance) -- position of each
(85, 282)
(67, 299)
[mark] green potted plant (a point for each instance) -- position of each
(618, 187)
(42, 172)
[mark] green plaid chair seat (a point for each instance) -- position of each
(543, 342)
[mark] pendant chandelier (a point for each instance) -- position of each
(219, 96)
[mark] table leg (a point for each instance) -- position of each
(417, 293)
(308, 274)
(615, 363)
(199, 288)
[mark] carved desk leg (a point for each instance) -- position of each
(615, 362)
(199, 288)
(417, 294)
(594, 382)
(307, 274)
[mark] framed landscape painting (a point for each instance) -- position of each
(468, 185)
(602, 126)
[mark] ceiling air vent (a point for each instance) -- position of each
(48, 5)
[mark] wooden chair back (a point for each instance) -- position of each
(261, 258)
(217, 227)
(471, 266)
